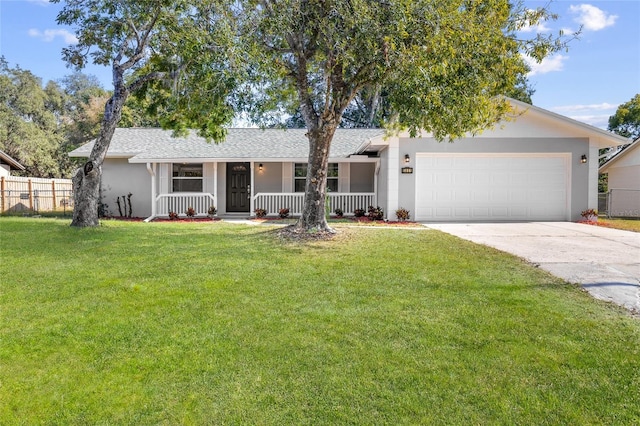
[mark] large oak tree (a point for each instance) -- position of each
(30, 121)
(180, 51)
(443, 65)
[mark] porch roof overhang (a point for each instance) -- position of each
(351, 159)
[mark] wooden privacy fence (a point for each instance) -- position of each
(35, 194)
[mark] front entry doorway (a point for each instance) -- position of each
(238, 187)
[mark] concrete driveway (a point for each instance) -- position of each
(606, 262)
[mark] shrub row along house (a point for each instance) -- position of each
(535, 166)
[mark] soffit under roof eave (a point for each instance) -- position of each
(141, 160)
(11, 162)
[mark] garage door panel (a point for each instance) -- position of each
(462, 178)
(440, 178)
(492, 186)
(479, 212)
(517, 196)
(482, 195)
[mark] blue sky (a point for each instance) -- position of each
(600, 71)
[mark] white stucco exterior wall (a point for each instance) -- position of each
(120, 178)
(392, 163)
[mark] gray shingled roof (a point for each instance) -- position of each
(143, 144)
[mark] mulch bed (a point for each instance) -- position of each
(160, 219)
(361, 220)
(292, 234)
(595, 223)
(364, 220)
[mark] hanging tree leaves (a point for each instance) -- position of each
(180, 52)
(442, 64)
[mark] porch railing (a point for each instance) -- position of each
(180, 202)
(348, 202)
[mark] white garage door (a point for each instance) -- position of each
(458, 187)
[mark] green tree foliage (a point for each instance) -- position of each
(441, 64)
(626, 120)
(179, 52)
(84, 100)
(30, 121)
(139, 111)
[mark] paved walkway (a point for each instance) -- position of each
(606, 262)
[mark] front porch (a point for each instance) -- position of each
(347, 202)
(180, 202)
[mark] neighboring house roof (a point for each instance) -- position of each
(5, 158)
(620, 155)
(142, 145)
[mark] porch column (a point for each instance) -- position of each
(376, 172)
(215, 185)
(154, 207)
(393, 176)
(251, 200)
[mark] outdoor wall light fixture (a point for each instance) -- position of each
(407, 158)
(583, 159)
(260, 166)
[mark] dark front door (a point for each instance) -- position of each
(238, 187)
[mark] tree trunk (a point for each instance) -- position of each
(313, 216)
(373, 106)
(86, 180)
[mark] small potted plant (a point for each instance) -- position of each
(402, 214)
(590, 215)
(190, 212)
(283, 213)
(211, 212)
(339, 213)
(173, 215)
(260, 213)
(376, 213)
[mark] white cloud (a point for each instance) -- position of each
(601, 121)
(594, 114)
(49, 35)
(585, 107)
(540, 28)
(592, 18)
(549, 64)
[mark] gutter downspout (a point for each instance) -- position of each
(153, 193)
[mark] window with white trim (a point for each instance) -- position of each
(300, 177)
(187, 177)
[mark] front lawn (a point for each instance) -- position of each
(214, 323)
(624, 224)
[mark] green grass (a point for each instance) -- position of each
(211, 323)
(624, 224)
